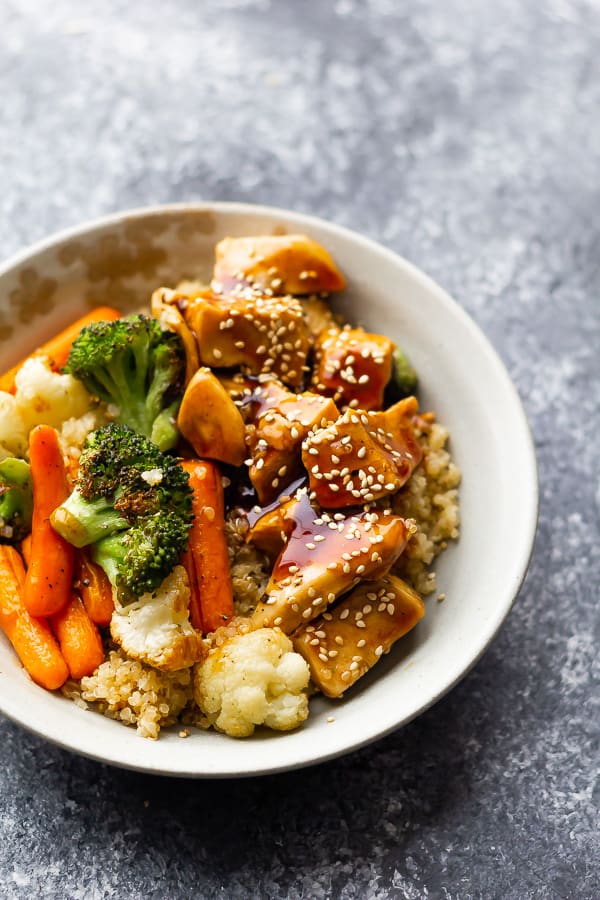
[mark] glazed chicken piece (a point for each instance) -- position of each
(166, 306)
(360, 457)
(259, 333)
(282, 264)
(323, 557)
(352, 366)
(345, 642)
(276, 440)
(210, 421)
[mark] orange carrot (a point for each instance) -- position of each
(57, 348)
(50, 572)
(94, 589)
(31, 638)
(195, 608)
(79, 638)
(26, 549)
(208, 547)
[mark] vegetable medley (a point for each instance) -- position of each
(211, 509)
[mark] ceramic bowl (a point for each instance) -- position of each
(120, 260)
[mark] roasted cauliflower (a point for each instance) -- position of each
(44, 397)
(253, 679)
(13, 437)
(156, 630)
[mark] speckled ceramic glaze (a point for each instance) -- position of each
(120, 260)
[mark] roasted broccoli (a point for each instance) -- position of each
(137, 366)
(403, 382)
(16, 500)
(132, 504)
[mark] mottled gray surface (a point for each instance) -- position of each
(465, 135)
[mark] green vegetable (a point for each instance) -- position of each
(132, 504)
(139, 367)
(403, 382)
(16, 500)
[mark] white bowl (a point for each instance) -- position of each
(119, 260)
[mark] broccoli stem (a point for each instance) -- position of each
(82, 522)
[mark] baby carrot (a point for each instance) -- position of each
(26, 549)
(57, 348)
(78, 637)
(33, 642)
(94, 589)
(195, 609)
(50, 572)
(208, 547)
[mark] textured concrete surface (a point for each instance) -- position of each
(466, 136)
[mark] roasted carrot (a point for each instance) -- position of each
(95, 589)
(50, 572)
(195, 609)
(78, 637)
(34, 643)
(26, 549)
(57, 348)
(208, 547)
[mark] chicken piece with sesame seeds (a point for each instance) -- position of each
(352, 366)
(262, 334)
(284, 264)
(276, 440)
(324, 556)
(345, 642)
(349, 462)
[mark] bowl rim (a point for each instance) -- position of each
(529, 471)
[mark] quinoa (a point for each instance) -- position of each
(430, 497)
(250, 569)
(134, 693)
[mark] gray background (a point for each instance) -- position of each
(464, 135)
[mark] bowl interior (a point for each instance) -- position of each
(120, 261)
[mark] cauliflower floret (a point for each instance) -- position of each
(253, 679)
(13, 436)
(45, 397)
(157, 630)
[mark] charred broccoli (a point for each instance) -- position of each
(403, 382)
(132, 504)
(16, 500)
(136, 365)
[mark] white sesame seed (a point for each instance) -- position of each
(344, 614)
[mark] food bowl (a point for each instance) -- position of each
(119, 260)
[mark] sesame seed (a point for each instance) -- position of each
(217, 353)
(277, 621)
(344, 614)
(314, 642)
(339, 640)
(391, 609)
(360, 624)
(310, 546)
(378, 650)
(361, 643)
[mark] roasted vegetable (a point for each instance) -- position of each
(165, 305)
(16, 500)
(403, 382)
(209, 419)
(132, 503)
(139, 367)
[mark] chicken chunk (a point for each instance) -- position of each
(282, 264)
(344, 643)
(347, 466)
(156, 630)
(259, 333)
(352, 366)
(275, 442)
(324, 556)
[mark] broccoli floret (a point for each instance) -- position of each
(16, 500)
(403, 382)
(136, 365)
(132, 504)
